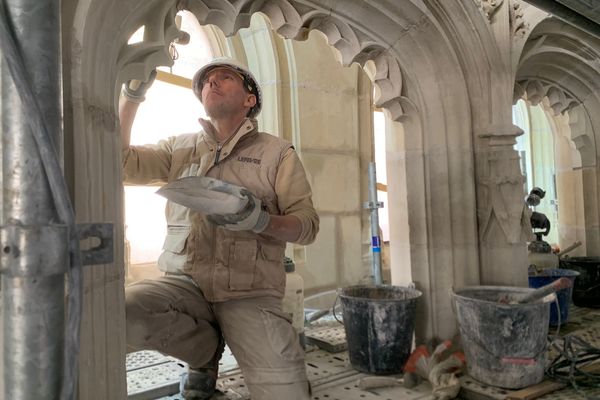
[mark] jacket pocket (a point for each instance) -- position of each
(270, 271)
(242, 264)
(174, 255)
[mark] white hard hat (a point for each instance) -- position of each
(250, 82)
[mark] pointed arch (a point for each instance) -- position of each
(558, 65)
(441, 77)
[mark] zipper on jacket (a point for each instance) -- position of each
(213, 243)
(218, 154)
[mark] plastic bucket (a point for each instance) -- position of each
(379, 323)
(504, 344)
(586, 292)
(564, 296)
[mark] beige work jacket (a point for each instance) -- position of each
(227, 264)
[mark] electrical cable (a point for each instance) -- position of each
(567, 367)
(37, 126)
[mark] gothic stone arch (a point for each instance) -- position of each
(463, 172)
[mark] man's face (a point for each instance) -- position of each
(223, 94)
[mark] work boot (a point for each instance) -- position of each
(198, 384)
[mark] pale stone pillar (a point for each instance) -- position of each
(567, 166)
(590, 183)
(582, 125)
(501, 209)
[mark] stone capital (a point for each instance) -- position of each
(501, 134)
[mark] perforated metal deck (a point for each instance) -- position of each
(331, 378)
(329, 338)
(151, 375)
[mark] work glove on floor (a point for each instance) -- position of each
(439, 368)
(251, 218)
(135, 90)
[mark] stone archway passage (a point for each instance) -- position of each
(454, 166)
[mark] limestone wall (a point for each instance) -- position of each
(334, 104)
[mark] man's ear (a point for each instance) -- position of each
(250, 101)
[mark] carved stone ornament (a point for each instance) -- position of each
(560, 101)
(489, 7)
(388, 80)
(137, 60)
(291, 19)
(518, 27)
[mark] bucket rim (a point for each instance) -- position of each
(514, 289)
(415, 293)
(581, 259)
(572, 273)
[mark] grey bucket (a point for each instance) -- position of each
(379, 323)
(504, 344)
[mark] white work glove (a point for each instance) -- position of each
(135, 90)
(251, 218)
(444, 382)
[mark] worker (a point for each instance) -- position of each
(222, 283)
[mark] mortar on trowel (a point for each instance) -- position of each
(204, 194)
(503, 332)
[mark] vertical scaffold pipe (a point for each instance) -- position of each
(32, 290)
(374, 206)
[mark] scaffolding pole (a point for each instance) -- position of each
(34, 249)
(373, 205)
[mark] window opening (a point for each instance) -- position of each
(380, 163)
(536, 149)
(520, 116)
(138, 36)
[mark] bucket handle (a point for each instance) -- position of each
(592, 288)
(452, 301)
(455, 312)
(558, 315)
(334, 306)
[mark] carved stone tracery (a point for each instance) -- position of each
(291, 19)
(489, 7)
(137, 60)
(518, 26)
(536, 90)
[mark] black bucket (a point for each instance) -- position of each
(379, 323)
(586, 292)
(504, 344)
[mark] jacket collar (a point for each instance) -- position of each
(248, 126)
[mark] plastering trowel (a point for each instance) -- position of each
(206, 195)
(538, 293)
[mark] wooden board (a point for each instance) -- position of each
(535, 391)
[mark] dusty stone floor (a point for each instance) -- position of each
(154, 376)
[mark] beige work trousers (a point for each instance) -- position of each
(171, 315)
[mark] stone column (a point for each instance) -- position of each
(501, 210)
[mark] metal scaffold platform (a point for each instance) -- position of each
(151, 375)
(330, 374)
